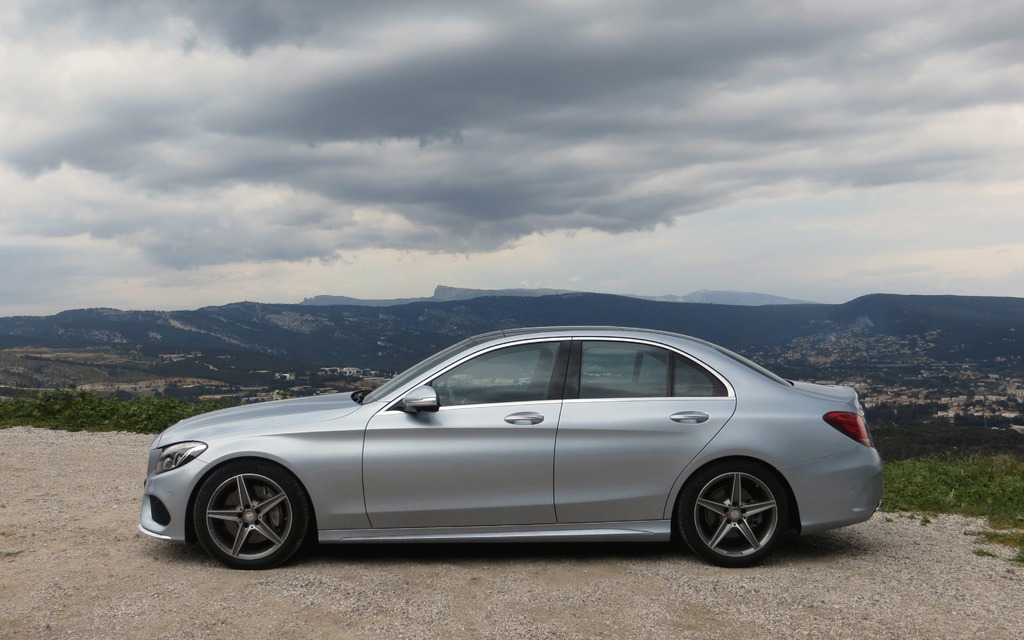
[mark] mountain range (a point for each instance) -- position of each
(389, 337)
(443, 293)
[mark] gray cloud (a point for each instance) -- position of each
(531, 117)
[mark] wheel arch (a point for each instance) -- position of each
(794, 507)
(190, 528)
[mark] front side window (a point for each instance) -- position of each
(417, 370)
(523, 373)
(629, 370)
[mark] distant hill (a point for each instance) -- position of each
(740, 298)
(441, 294)
(903, 329)
(449, 294)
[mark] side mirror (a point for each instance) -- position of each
(420, 399)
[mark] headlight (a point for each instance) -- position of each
(177, 455)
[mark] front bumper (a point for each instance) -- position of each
(165, 502)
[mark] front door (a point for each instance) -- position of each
(486, 457)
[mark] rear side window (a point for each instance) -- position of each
(628, 370)
(694, 381)
(623, 370)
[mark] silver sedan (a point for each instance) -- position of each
(567, 433)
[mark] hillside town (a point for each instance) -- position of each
(895, 375)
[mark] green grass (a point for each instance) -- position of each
(990, 487)
(75, 410)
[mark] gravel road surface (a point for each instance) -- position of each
(72, 565)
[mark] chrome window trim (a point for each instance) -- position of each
(431, 375)
(649, 398)
(454, 407)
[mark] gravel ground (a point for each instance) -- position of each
(73, 566)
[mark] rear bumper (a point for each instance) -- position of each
(837, 491)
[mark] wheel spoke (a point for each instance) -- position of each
(737, 489)
(240, 537)
(272, 502)
(716, 507)
(755, 508)
(243, 493)
(269, 533)
(724, 527)
(745, 529)
(231, 515)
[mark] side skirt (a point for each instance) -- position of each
(645, 530)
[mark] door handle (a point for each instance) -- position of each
(524, 418)
(690, 417)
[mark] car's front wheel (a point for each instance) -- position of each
(732, 513)
(251, 514)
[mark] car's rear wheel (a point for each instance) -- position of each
(733, 513)
(251, 514)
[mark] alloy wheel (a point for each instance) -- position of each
(736, 514)
(249, 516)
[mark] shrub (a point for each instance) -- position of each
(77, 410)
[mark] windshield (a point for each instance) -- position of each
(415, 371)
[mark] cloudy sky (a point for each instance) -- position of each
(172, 154)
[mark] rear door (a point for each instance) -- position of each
(634, 416)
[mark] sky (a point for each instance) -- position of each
(174, 154)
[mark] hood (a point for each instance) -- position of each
(833, 392)
(253, 417)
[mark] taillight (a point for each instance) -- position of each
(850, 424)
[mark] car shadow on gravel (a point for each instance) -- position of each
(822, 547)
(496, 552)
(828, 546)
(177, 554)
(426, 553)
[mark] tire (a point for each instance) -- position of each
(251, 514)
(732, 514)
